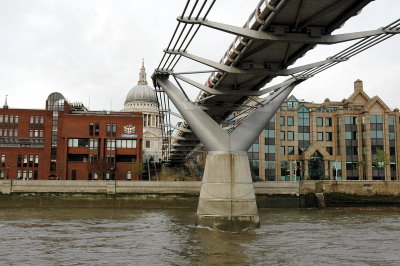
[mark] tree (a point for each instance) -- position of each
(137, 168)
(382, 158)
(99, 166)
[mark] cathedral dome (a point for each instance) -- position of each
(141, 92)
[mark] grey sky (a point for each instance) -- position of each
(94, 48)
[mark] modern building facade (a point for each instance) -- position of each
(353, 139)
(68, 142)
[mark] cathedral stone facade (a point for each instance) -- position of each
(142, 98)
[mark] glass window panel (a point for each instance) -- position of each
(391, 121)
(290, 120)
(320, 121)
(282, 135)
(282, 120)
(373, 118)
(290, 135)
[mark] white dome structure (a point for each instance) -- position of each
(142, 98)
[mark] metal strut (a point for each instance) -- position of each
(210, 132)
(287, 37)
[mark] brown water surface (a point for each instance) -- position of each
(75, 235)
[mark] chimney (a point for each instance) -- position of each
(358, 85)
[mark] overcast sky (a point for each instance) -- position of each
(92, 49)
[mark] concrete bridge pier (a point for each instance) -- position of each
(227, 200)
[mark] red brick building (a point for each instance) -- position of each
(67, 142)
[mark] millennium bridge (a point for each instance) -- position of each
(237, 100)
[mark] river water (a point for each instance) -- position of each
(129, 236)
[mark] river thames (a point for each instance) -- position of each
(128, 236)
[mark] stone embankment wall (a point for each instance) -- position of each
(362, 188)
(276, 194)
(99, 187)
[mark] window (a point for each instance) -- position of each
(31, 156)
(320, 136)
(391, 135)
(290, 135)
(19, 160)
(269, 133)
(73, 175)
(328, 122)
(129, 175)
(292, 103)
(36, 161)
(282, 150)
(282, 120)
(269, 148)
(282, 135)
(3, 160)
(91, 129)
(25, 162)
(329, 136)
(96, 129)
(111, 144)
(114, 129)
(111, 159)
(304, 136)
(78, 143)
(350, 120)
(376, 119)
(147, 143)
(108, 129)
(329, 150)
(320, 121)
(126, 143)
(351, 150)
(290, 150)
(93, 144)
(304, 116)
(391, 121)
(290, 121)
(352, 135)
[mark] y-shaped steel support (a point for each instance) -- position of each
(227, 199)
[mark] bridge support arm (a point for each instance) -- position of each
(206, 129)
(288, 37)
(254, 71)
(245, 134)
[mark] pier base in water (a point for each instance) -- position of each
(227, 200)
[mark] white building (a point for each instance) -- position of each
(142, 98)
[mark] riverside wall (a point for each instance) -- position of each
(277, 194)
